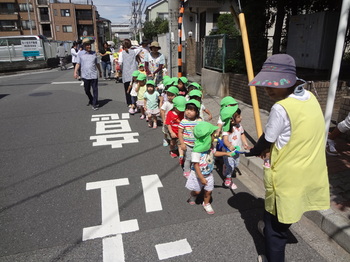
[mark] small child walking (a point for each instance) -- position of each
(202, 158)
(234, 137)
(141, 89)
(197, 95)
(186, 136)
(132, 91)
(151, 103)
(181, 84)
(173, 120)
(171, 93)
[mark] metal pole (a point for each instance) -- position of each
(30, 21)
(250, 73)
(343, 22)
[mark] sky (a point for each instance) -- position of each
(118, 11)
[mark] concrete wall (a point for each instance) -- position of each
(215, 83)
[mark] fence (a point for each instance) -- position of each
(218, 49)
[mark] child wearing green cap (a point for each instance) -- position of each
(202, 158)
(197, 95)
(132, 91)
(232, 138)
(181, 85)
(171, 93)
(141, 89)
(186, 137)
(172, 121)
(151, 103)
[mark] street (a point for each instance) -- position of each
(84, 185)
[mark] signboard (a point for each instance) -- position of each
(30, 48)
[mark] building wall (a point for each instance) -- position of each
(161, 8)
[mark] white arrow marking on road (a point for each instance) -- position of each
(173, 249)
(150, 186)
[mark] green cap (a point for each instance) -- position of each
(150, 82)
(141, 65)
(226, 114)
(195, 92)
(183, 80)
(166, 77)
(196, 85)
(180, 103)
(136, 73)
(195, 102)
(202, 132)
(174, 81)
(167, 82)
(174, 90)
(141, 77)
(227, 100)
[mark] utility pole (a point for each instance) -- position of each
(134, 16)
(139, 12)
(173, 31)
(30, 20)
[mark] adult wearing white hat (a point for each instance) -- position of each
(154, 62)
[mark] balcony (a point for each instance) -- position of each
(44, 18)
(43, 2)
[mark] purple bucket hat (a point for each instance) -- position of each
(278, 71)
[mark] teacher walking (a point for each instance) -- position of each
(128, 64)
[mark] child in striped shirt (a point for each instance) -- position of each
(186, 137)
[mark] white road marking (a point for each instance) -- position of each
(173, 249)
(64, 83)
(104, 117)
(113, 249)
(150, 186)
(112, 126)
(114, 140)
(125, 115)
(111, 224)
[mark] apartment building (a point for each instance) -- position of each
(63, 20)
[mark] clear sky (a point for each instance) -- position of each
(118, 11)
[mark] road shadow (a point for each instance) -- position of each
(103, 102)
(3, 95)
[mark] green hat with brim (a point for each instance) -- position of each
(202, 133)
(195, 92)
(196, 86)
(195, 102)
(135, 73)
(174, 81)
(167, 82)
(141, 65)
(226, 114)
(150, 82)
(183, 80)
(174, 90)
(180, 103)
(141, 77)
(227, 100)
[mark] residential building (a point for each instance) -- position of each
(157, 9)
(62, 20)
(121, 31)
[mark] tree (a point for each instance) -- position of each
(155, 27)
(226, 25)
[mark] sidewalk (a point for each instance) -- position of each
(335, 222)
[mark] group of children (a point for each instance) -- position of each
(189, 137)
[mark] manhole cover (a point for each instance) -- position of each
(41, 94)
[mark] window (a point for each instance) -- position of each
(67, 28)
(7, 8)
(24, 7)
(26, 24)
(65, 12)
(55, 12)
(164, 16)
(8, 25)
(57, 28)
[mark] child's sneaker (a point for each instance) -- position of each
(227, 182)
(233, 186)
(131, 111)
(155, 125)
(187, 174)
(165, 143)
(142, 117)
(208, 208)
(173, 155)
(330, 148)
(192, 200)
(181, 160)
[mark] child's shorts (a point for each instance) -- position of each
(153, 112)
(140, 102)
(194, 184)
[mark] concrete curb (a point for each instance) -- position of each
(331, 223)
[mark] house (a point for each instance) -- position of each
(157, 9)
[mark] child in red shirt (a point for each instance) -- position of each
(173, 120)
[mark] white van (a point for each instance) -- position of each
(22, 47)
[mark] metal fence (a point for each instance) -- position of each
(218, 49)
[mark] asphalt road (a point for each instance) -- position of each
(64, 198)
